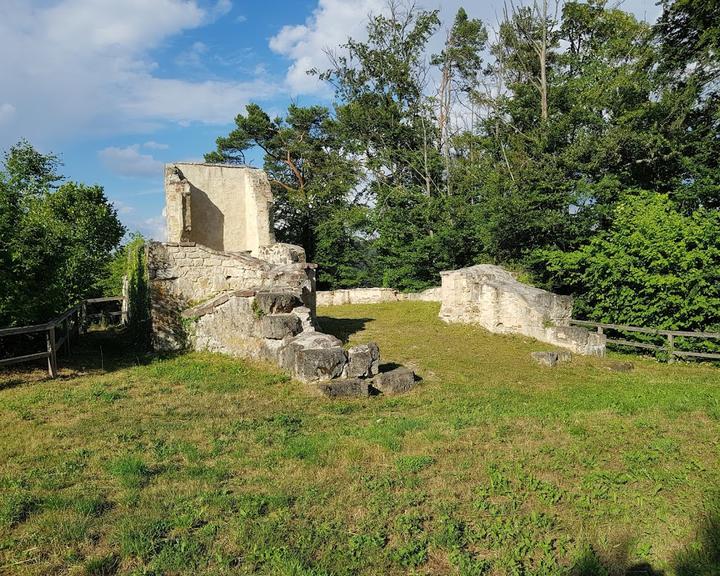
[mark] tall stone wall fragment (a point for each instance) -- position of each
(226, 208)
(491, 297)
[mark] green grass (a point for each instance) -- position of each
(203, 464)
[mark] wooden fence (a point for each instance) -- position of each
(60, 331)
(669, 335)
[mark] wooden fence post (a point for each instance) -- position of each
(671, 348)
(67, 336)
(83, 317)
(52, 352)
(125, 304)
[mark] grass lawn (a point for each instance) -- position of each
(203, 464)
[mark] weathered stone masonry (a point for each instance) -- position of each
(489, 296)
(234, 290)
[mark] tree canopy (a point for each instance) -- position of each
(527, 150)
(57, 237)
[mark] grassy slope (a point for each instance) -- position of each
(205, 464)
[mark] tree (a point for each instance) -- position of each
(687, 37)
(56, 237)
(460, 64)
(389, 122)
(313, 177)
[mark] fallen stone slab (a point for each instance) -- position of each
(363, 361)
(395, 381)
(345, 387)
(549, 359)
(620, 366)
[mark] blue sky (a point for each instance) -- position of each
(119, 87)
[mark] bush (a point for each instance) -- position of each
(653, 267)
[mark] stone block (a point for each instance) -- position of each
(278, 326)
(276, 302)
(620, 366)
(564, 356)
(306, 318)
(345, 387)
(313, 356)
(279, 253)
(363, 361)
(395, 381)
(319, 364)
(578, 339)
(545, 358)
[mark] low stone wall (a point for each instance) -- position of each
(373, 296)
(489, 296)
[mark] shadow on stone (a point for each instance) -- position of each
(342, 328)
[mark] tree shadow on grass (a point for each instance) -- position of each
(616, 562)
(342, 328)
(10, 383)
(699, 558)
(97, 351)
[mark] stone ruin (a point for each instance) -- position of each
(491, 297)
(221, 283)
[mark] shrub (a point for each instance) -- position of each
(653, 267)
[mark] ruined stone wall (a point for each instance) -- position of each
(489, 296)
(373, 296)
(226, 208)
(184, 275)
(221, 283)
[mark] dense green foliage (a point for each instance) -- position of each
(56, 238)
(654, 254)
(530, 145)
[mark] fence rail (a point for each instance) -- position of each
(70, 324)
(669, 335)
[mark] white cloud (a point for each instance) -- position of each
(192, 56)
(221, 8)
(79, 67)
(152, 145)
(153, 228)
(130, 162)
(123, 208)
(241, 18)
(329, 26)
(183, 102)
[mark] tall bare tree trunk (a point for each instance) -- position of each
(542, 55)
